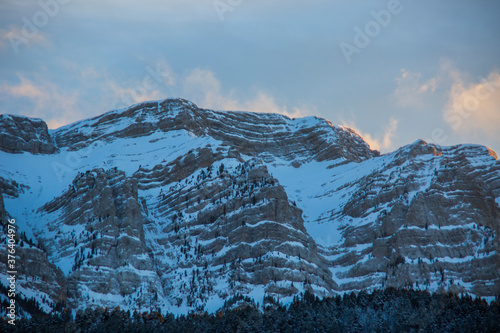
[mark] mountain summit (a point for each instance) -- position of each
(167, 205)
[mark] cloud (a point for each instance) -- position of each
(474, 107)
(411, 89)
(382, 142)
(17, 38)
(94, 91)
(155, 82)
(25, 89)
(198, 85)
(43, 99)
(203, 87)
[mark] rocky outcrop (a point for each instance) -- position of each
(9, 187)
(232, 223)
(36, 274)
(427, 218)
(22, 134)
(95, 233)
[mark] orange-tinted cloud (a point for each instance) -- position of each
(383, 142)
(475, 107)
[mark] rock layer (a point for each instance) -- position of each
(21, 134)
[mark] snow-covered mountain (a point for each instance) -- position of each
(166, 205)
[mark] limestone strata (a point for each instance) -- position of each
(22, 134)
(428, 217)
(271, 135)
(234, 224)
(95, 232)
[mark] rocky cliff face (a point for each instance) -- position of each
(429, 217)
(94, 232)
(231, 228)
(21, 134)
(168, 205)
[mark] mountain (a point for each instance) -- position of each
(167, 205)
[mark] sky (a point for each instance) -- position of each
(394, 71)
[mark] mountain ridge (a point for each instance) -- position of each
(164, 204)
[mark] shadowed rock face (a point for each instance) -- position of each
(238, 221)
(432, 218)
(109, 254)
(21, 134)
(205, 208)
(232, 224)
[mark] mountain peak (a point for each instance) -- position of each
(252, 133)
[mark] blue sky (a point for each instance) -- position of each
(395, 71)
